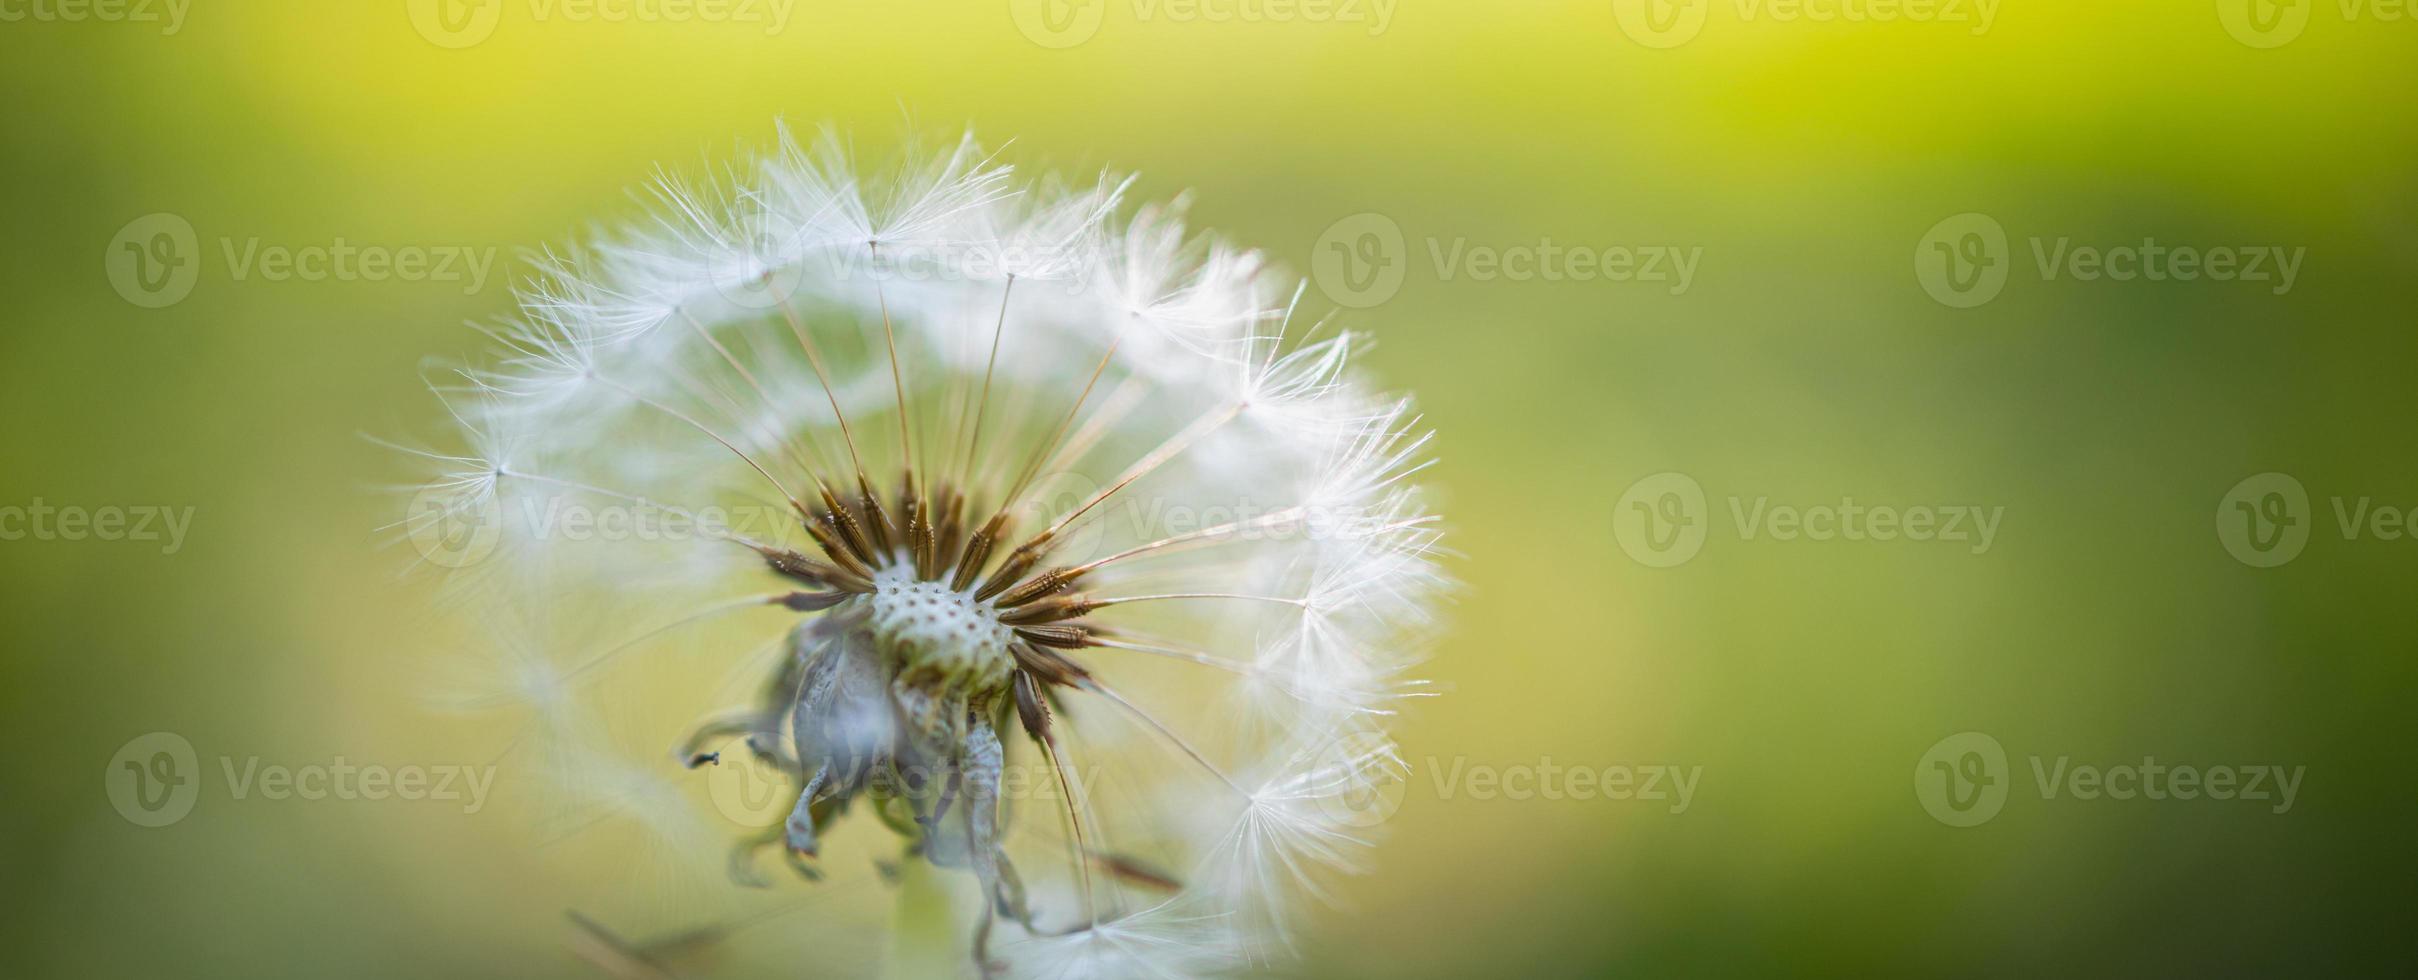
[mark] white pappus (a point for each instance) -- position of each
(1037, 477)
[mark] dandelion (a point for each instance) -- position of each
(1035, 484)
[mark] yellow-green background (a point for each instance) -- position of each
(1805, 364)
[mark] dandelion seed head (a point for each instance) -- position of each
(1023, 482)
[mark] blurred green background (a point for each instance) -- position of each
(1803, 364)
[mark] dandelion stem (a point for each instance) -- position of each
(710, 434)
(1174, 446)
(983, 403)
(1050, 447)
(1119, 600)
(1222, 530)
(898, 382)
(787, 445)
(814, 359)
(1074, 819)
(1205, 660)
(1146, 718)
